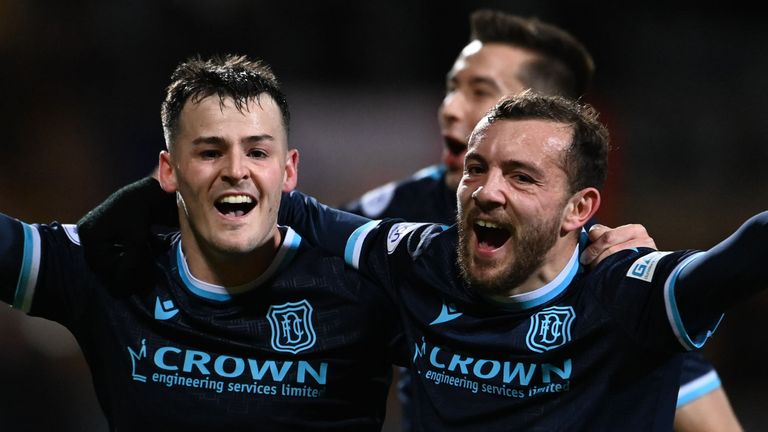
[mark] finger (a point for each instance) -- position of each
(588, 256)
(606, 241)
(630, 236)
(597, 243)
(596, 231)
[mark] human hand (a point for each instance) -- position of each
(605, 241)
(117, 236)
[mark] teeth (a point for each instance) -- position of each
(486, 224)
(235, 199)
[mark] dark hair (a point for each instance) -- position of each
(586, 159)
(233, 76)
(564, 67)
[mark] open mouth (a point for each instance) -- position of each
(235, 205)
(455, 147)
(489, 235)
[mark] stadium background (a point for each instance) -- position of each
(81, 83)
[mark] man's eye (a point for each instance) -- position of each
(481, 93)
(473, 169)
(210, 154)
(257, 154)
(522, 178)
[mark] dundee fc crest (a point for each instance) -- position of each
(550, 328)
(291, 325)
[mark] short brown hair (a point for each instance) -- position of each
(586, 160)
(234, 76)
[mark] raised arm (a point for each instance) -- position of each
(711, 282)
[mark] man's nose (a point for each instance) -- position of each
(451, 110)
(234, 169)
(492, 193)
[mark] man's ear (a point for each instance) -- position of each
(166, 174)
(581, 207)
(291, 177)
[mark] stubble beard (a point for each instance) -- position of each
(530, 245)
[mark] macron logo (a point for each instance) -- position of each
(165, 310)
(447, 313)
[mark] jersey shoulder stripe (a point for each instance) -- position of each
(30, 269)
(355, 243)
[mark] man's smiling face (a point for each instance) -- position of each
(511, 201)
(229, 167)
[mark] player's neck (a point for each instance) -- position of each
(228, 269)
(554, 263)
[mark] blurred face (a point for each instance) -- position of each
(229, 169)
(511, 199)
(481, 75)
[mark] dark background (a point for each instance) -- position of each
(81, 83)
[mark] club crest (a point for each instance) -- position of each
(291, 325)
(550, 328)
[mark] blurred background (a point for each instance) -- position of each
(81, 82)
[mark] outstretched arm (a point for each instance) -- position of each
(715, 280)
(324, 226)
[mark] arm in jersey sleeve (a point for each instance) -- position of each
(117, 235)
(704, 286)
(697, 378)
(711, 412)
(323, 226)
(42, 271)
(14, 236)
(370, 246)
(702, 405)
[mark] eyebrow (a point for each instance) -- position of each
(481, 80)
(217, 140)
(474, 157)
(515, 164)
(507, 165)
(475, 80)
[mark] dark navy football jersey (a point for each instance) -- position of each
(593, 351)
(307, 346)
(423, 197)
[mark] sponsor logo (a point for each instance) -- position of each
(447, 313)
(291, 325)
(645, 266)
(503, 378)
(137, 357)
(175, 367)
(164, 310)
(550, 328)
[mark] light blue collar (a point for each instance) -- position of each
(284, 255)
